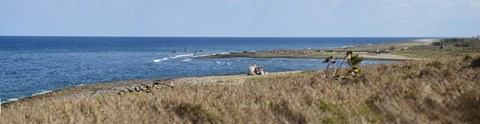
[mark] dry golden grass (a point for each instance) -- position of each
(430, 91)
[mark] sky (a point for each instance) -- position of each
(241, 18)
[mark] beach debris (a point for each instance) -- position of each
(259, 70)
(256, 70)
(157, 84)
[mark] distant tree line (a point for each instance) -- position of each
(459, 42)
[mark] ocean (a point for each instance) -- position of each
(35, 65)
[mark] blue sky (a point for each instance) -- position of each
(241, 18)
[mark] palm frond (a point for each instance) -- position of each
(355, 60)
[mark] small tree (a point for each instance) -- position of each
(354, 61)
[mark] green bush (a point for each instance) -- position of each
(458, 42)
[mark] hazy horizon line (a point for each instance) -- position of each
(237, 36)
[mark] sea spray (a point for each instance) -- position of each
(159, 60)
(187, 60)
(184, 55)
(43, 92)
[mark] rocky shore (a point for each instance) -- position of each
(369, 52)
(130, 86)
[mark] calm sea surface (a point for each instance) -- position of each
(32, 65)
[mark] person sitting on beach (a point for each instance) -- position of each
(259, 71)
(251, 70)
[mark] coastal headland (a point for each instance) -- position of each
(430, 85)
(367, 51)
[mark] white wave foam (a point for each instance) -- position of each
(159, 60)
(10, 100)
(187, 60)
(185, 55)
(203, 55)
(223, 53)
(43, 92)
(15, 99)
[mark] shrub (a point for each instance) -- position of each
(475, 63)
(392, 48)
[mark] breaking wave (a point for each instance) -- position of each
(187, 60)
(43, 92)
(159, 60)
(185, 55)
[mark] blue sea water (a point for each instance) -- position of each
(30, 65)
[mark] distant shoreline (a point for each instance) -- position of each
(327, 52)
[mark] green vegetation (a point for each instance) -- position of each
(453, 47)
(440, 90)
(459, 42)
(354, 61)
(428, 91)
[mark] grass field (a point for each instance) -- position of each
(432, 91)
(440, 90)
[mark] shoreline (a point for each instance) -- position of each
(368, 52)
(142, 85)
(145, 85)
